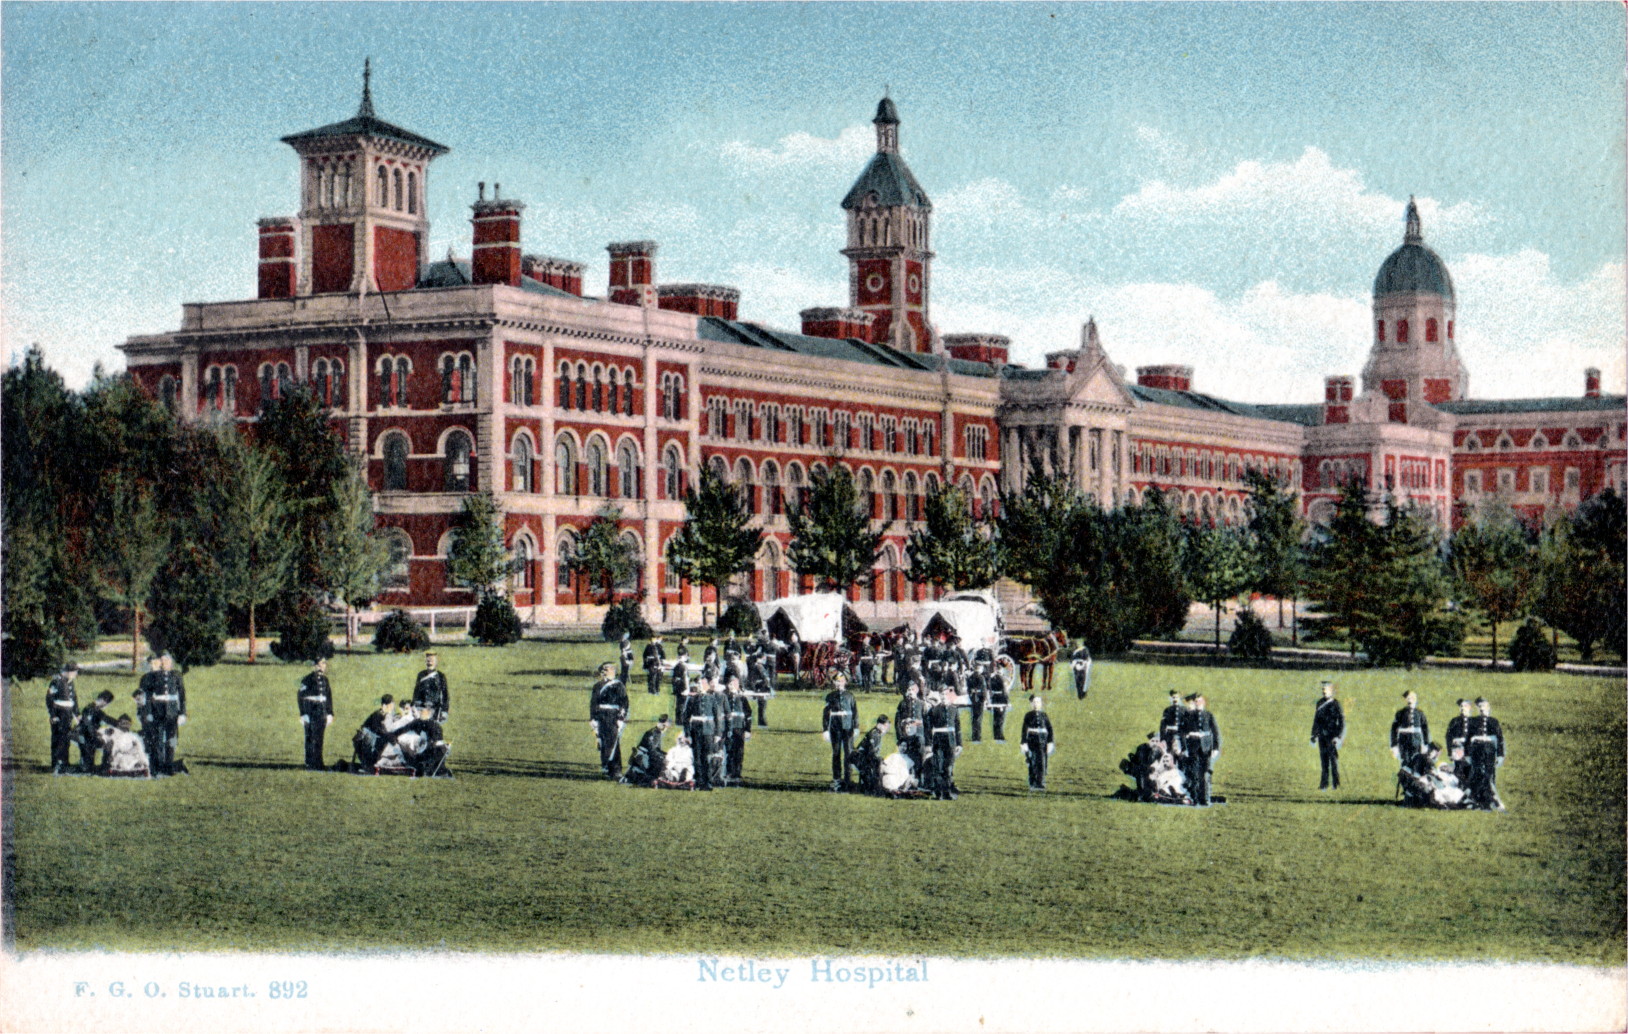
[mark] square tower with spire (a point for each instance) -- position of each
(889, 261)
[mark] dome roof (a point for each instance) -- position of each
(1413, 268)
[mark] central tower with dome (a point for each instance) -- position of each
(1414, 357)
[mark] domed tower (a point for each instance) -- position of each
(889, 218)
(1414, 357)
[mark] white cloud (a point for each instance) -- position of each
(849, 147)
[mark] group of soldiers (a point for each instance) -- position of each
(410, 736)
(112, 746)
(1176, 763)
(1475, 750)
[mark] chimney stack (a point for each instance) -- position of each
(1337, 400)
(839, 323)
(633, 272)
(278, 268)
(699, 299)
(1591, 376)
(1170, 376)
(559, 273)
(978, 348)
(496, 258)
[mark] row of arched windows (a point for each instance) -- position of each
(458, 379)
(395, 189)
(588, 470)
(457, 468)
(596, 388)
(1163, 461)
(1571, 440)
(772, 423)
(1432, 330)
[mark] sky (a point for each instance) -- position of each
(1216, 184)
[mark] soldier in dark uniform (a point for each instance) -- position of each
(88, 732)
(624, 655)
(943, 739)
(1200, 745)
(151, 684)
(978, 694)
(1409, 730)
(1328, 732)
(1038, 741)
(1000, 701)
(760, 677)
(738, 723)
(910, 726)
(62, 708)
(794, 658)
(431, 689)
(838, 723)
(655, 659)
(429, 758)
(1170, 724)
(931, 660)
(709, 657)
(648, 760)
(1079, 662)
(1485, 749)
(316, 711)
(1458, 736)
(867, 756)
(716, 703)
(681, 679)
(370, 739)
(699, 723)
(168, 707)
(607, 713)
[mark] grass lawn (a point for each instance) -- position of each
(528, 849)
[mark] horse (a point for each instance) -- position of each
(1032, 651)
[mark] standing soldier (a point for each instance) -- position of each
(681, 678)
(1170, 725)
(867, 661)
(943, 738)
(1038, 742)
(1000, 701)
(698, 719)
(1327, 732)
(624, 667)
(760, 678)
(1486, 754)
(732, 656)
(978, 693)
(62, 708)
(1080, 662)
(1200, 745)
(738, 724)
(1458, 735)
(607, 713)
(838, 723)
(1409, 730)
(655, 659)
(168, 707)
(151, 685)
(910, 726)
(316, 711)
(710, 664)
(431, 689)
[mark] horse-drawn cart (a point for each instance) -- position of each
(823, 622)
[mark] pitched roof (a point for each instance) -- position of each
(457, 273)
(1305, 415)
(1561, 404)
(753, 335)
(889, 178)
(366, 125)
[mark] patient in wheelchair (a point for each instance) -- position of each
(123, 750)
(1424, 785)
(678, 770)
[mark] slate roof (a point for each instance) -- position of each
(889, 178)
(1414, 267)
(367, 125)
(457, 273)
(753, 335)
(1560, 404)
(1305, 415)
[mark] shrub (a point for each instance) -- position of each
(303, 634)
(624, 616)
(1250, 638)
(1531, 649)
(495, 622)
(741, 619)
(397, 632)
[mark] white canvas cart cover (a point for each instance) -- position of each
(972, 620)
(817, 617)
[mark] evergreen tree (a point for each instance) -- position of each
(356, 556)
(1494, 564)
(189, 608)
(295, 432)
(34, 646)
(131, 544)
(1340, 558)
(717, 540)
(1582, 562)
(603, 557)
(259, 537)
(951, 548)
(1034, 527)
(1149, 570)
(1276, 530)
(1218, 565)
(476, 557)
(831, 536)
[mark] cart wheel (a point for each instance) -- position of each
(1008, 669)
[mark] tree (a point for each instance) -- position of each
(356, 556)
(131, 545)
(476, 557)
(1217, 564)
(1582, 563)
(1148, 568)
(1339, 560)
(189, 608)
(1034, 527)
(33, 647)
(260, 548)
(951, 548)
(717, 540)
(831, 536)
(295, 432)
(1492, 559)
(603, 557)
(1276, 530)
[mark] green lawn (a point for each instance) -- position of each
(529, 850)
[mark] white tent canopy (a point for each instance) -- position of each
(817, 617)
(974, 620)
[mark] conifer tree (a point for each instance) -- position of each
(951, 549)
(832, 539)
(476, 557)
(717, 540)
(1494, 564)
(259, 531)
(1218, 564)
(603, 557)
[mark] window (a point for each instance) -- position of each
(867, 438)
(670, 581)
(582, 385)
(520, 476)
(794, 427)
(594, 460)
(1506, 480)
(614, 398)
(451, 379)
(212, 390)
(867, 492)
(627, 467)
(459, 449)
(1538, 441)
(522, 381)
(771, 423)
(1430, 329)
(565, 466)
(743, 421)
(521, 576)
(401, 201)
(563, 396)
(672, 404)
(599, 392)
(1401, 332)
(743, 480)
(1539, 481)
(564, 553)
(1574, 480)
(928, 437)
(395, 462)
(715, 417)
(382, 199)
(794, 487)
(977, 442)
(890, 434)
(843, 438)
(397, 577)
(230, 389)
(672, 474)
(911, 498)
(466, 378)
(633, 580)
(818, 421)
(166, 392)
(1572, 440)
(627, 394)
(412, 203)
(1472, 482)
(890, 496)
(773, 502)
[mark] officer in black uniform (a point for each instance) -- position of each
(89, 732)
(1328, 732)
(1200, 745)
(760, 676)
(151, 684)
(648, 760)
(1485, 750)
(62, 708)
(1000, 702)
(910, 726)
(1409, 729)
(867, 661)
(431, 689)
(1079, 663)
(978, 694)
(1038, 741)
(717, 706)
(1170, 724)
(1458, 735)
(867, 756)
(624, 654)
(655, 659)
(168, 707)
(316, 706)
(681, 679)
(738, 724)
(838, 723)
(607, 713)
(709, 657)
(943, 738)
(700, 726)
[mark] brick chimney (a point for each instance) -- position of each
(1337, 400)
(559, 273)
(1591, 376)
(632, 272)
(699, 299)
(978, 348)
(839, 323)
(496, 258)
(278, 265)
(1065, 360)
(1169, 376)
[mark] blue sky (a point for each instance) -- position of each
(1216, 183)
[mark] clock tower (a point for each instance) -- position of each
(888, 254)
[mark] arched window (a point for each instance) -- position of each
(231, 389)
(398, 576)
(930, 485)
(450, 386)
(403, 367)
(928, 434)
(627, 467)
(773, 502)
(912, 500)
(615, 394)
(988, 493)
(268, 385)
(627, 394)
(890, 495)
(743, 421)
(794, 487)
(582, 385)
(520, 479)
(719, 467)
(166, 392)
(672, 474)
(563, 399)
(401, 201)
(599, 391)
(743, 478)
(466, 378)
(382, 193)
(458, 476)
(593, 458)
(1430, 329)
(564, 552)
(1401, 332)
(771, 423)
(320, 383)
(395, 462)
(565, 466)
(212, 388)
(520, 570)
(867, 492)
